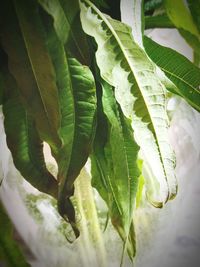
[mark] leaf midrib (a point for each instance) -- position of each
(129, 64)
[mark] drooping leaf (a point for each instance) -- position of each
(31, 66)
(196, 59)
(10, 253)
(114, 165)
(23, 140)
(158, 21)
(132, 15)
(83, 88)
(77, 98)
(184, 75)
(180, 15)
(125, 66)
(68, 27)
(194, 7)
(192, 40)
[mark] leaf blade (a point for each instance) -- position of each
(45, 111)
(178, 69)
(126, 67)
(25, 145)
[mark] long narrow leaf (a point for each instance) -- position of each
(194, 7)
(114, 165)
(68, 27)
(33, 71)
(132, 15)
(178, 69)
(23, 140)
(77, 98)
(180, 15)
(124, 65)
(158, 21)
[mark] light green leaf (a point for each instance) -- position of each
(184, 75)
(181, 17)
(23, 140)
(31, 66)
(132, 15)
(114, 165)
(125, 66)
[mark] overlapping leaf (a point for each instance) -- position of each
(158, 21)
(68, 27)
(57, 90)
(181, 17)
(132, 14)
(23, 140)
(77, 98)
(194, 7)
(140, 94)
(178, 69)
(114, 165)
(36, 80)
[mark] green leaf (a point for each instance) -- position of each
(180, 15)
(83, 87)
(23, 140)
(184, 75)
(151, 5)
(68, 27)
(194, 7)
(30, 64)
(125, 66)
(77, 98)
(158, 21)
(192, 40)
(10, 253)
(114, 165)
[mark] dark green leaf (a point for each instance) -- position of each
(192, 40)
(194, 6)
(151, 5)
(77, 98)
(31, 66)
(23, 140)
(178, 69)
(158, 21)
